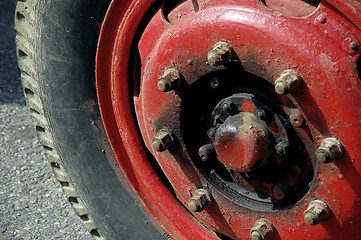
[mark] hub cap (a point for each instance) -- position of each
(243, 142)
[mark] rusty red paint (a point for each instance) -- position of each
(329, 101)
(248, 106)
(292, 8)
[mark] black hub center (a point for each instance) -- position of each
(242, 142)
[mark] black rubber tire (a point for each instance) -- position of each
(56, 41)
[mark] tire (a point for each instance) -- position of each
(154, 134)
(56, 42)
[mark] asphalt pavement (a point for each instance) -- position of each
(32, 205)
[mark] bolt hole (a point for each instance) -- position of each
(293, 8)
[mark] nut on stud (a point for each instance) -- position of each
(221, 53)
(211, 132)
(353, 45)
(290, 81)
(281, 148)
(228, 106)
(200, 200)
(162, 140)
(329, 150)
(206, 151)
(262, 230)
(170, 80)
(296, 118)
(316, 212)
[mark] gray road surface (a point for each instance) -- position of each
(31, 202)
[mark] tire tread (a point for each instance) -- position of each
(26, 33)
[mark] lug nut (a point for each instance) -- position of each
(162, 140)
(290, 81)
(221, 53)
(214, 83)
(206, 151)
(170, 80)
(281, 148)
(228, 106)
(317, 211)
(262, 230)
(329, 150)
(296, 118)
(211, 132)
(200, 200)
(353, 46)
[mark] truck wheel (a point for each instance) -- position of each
(219, 119)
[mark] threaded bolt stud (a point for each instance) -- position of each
(206, 151)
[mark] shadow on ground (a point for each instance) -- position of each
(10, 84)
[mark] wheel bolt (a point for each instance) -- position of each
(228, 106)
(211, 132)
(281, 148)
(200, 200)
(296, 118)
(329, 150)
(214, 83)
(353, 46)
(290, 81)
(162, 140)
(206, 151)
(262, 230)
(316, 212)
(170, 80)
(221, 53)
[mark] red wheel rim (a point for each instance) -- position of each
(322, 47)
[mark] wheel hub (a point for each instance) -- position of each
(243, 142)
